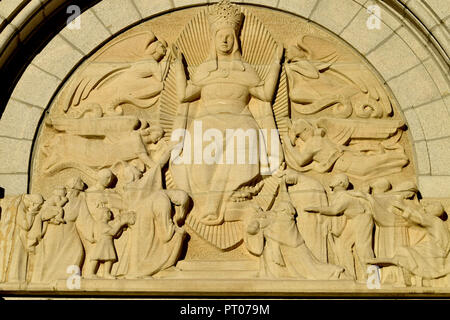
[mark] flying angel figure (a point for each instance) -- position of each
(320, 78)
(360, 148)
(137, 79)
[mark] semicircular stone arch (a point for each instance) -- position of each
(412, 66)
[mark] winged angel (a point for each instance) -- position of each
(321, 79)
(136, 79)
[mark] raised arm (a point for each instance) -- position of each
(410, 214)
(186, 91)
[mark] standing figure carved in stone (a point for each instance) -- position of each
(62, 243)
(18, 217)
(316, 230)
(358, 230)
(105, 229)
(155, 240)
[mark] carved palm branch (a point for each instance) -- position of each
(281, 105)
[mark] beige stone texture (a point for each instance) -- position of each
(16, 153)
(116, 14)
(434, 119)
(302, 8)
(413, 40)
(335, 14)
(392, 57)
(90, 25)
(441, 8)
(14, 183)
(442, 35)
(9, 41)
(270, 3)
(58, 57)
(423, 12)
(10, 7)
(389, 17)
(150, 8)
(434, 186)
(362, 38)
(439, 156)
(36, 87)
(414, 124)
(422, 158)
(417, 82)
(183, 3)
(19, 120)
(28, 18)
(447, 102)
(420, 89)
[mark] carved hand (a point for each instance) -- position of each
(279, 53)
(176, 54)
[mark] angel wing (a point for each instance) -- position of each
(370, 99)
(91, 78)
(319, 51)
(132, 54)
(94, 126)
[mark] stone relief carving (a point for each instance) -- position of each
(218, 151)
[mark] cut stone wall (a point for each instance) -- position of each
(409, 52)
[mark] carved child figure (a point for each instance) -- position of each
(57, 201)
(104, 232)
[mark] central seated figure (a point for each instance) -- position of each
(224, 85)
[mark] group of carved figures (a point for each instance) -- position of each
(308, 233)
(131, 222)
(79, 226)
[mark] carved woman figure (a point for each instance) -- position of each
(155, 240)
(224, 85)
(16, 222)
(61, 245)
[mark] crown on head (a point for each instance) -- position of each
(225, 14)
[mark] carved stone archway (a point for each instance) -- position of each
(409, 60)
